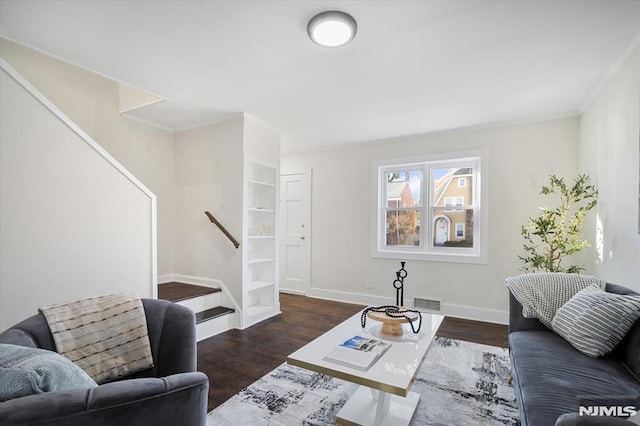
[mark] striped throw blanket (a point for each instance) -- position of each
(106, 336)
(541, 294)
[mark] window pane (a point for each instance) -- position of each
(403, 228)
(452, 228)
(403, 188)
(447, 189)
(452, 206)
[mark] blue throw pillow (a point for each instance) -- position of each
(26, 371)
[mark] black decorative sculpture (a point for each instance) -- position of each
(393, 316)
(398, 284)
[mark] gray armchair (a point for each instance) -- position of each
(169, 393)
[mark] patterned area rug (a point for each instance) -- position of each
(461, 383)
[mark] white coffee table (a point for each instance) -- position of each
(383, 397)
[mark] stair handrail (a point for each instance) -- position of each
(222, 228)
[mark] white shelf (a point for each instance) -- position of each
(260, 309)
(257, 285)
(264, 260)
(257, 182)
(261, 237)
(255, 209)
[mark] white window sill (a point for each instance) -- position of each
(431, 257)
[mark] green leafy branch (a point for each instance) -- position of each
(555, 233)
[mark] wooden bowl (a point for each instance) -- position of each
(390, 325)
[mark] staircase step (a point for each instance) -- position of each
(200, 299)
(176, 291)
(216, 312)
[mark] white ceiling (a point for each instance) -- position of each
(414, 66)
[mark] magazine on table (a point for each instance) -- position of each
(358, 352)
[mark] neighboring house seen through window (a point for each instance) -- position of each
(424, 212)
(454, 203)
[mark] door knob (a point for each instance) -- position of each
(302, 237)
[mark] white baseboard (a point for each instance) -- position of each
(190, 279)
(448, 309)
(349, 297)
(476, 314)
(296, 292)
(166, 278)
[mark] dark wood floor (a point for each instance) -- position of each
(235, 359)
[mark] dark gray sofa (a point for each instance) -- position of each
(169, 393)
(550, 375)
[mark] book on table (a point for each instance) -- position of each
(358, 352)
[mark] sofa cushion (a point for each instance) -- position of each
(549, 376)
(27, 371)
(627, 350)
(542, 294)
(174, 400)
(575, 419)
(595, 321)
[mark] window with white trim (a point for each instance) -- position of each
(453, 203)
(422, 211)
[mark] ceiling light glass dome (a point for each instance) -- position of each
(332, 28)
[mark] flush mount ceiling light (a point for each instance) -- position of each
(332, 28)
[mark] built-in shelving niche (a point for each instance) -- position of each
(260, 266)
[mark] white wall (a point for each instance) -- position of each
(92, 102)
(72, 225)
(609, 149)
(209, 164)
(261, 140)
(520, 159)
(209, 170)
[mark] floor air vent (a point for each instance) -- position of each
(428, 304)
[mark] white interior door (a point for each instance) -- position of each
(295, 233)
